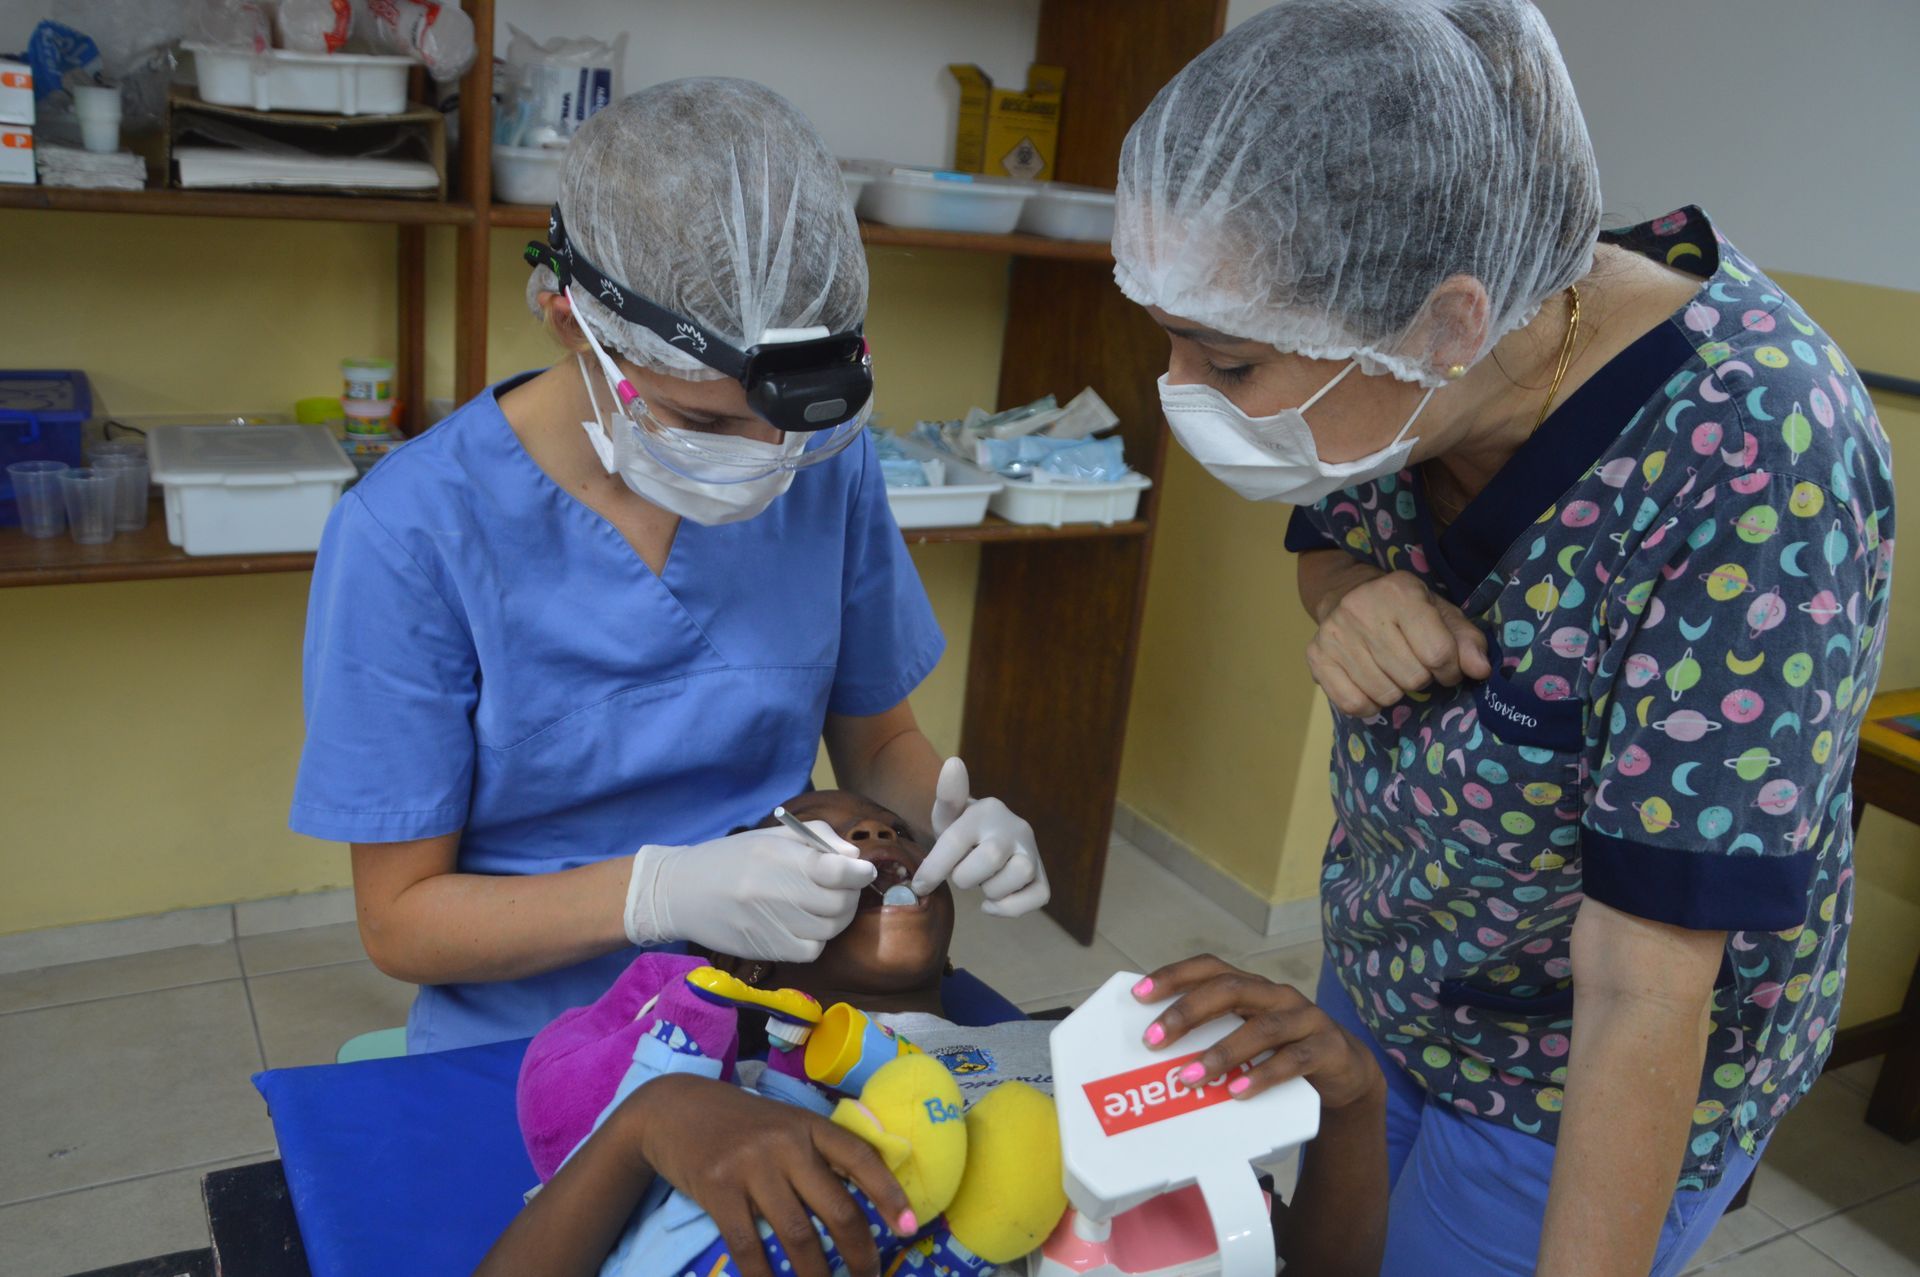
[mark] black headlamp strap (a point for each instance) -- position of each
(559, 256)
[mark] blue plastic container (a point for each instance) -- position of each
(41, 416)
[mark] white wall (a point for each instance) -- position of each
(870, 74)
(1795, 124)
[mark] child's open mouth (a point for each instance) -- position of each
(890, 887)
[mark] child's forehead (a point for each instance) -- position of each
(837, 806)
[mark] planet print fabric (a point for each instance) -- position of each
(1683, 577)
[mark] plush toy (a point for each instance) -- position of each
(993, 1170)
(1012, 1193)
(910, 1112)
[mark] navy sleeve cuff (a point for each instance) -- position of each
(1302, 535)
(1698, 890)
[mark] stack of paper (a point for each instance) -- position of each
(71, 166)
(218, 166)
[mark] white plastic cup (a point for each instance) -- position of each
(97, 106)
(36, 493)
(129, 471)
(91, 497)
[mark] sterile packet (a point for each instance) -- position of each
(907, 474)
(1087, 461)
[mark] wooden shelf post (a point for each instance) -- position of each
(1056, 626)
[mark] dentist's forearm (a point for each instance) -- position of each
(424, 922)
(1323, 576)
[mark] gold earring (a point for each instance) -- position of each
(1456, 371)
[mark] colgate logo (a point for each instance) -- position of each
(1143, 1096)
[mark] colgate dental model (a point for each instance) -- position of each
(1159, 1171)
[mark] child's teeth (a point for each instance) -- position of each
(900, 894)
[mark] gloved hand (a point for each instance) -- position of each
(760, 893)
(979, 843)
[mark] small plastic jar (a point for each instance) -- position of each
(368, 416)
(367, 378)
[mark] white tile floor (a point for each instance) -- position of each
(123, 1081)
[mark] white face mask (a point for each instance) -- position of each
(622, 452)
(1272, 458)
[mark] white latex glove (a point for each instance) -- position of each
(978, 842)
(760, 893)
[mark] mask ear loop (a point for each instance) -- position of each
(622, 388)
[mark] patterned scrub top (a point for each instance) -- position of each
(1684, 641)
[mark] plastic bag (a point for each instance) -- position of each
(550, 89)
(314, 26)
(234, 24)
(439, 36)
(136, 44)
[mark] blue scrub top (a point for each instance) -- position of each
(486, 654)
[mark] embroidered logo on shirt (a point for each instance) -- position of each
(962, 1060)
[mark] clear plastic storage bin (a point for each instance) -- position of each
(247, 489)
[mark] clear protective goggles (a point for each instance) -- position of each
(711, 456)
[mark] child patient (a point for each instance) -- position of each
(744, 1141)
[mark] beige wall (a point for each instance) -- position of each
(153, 727)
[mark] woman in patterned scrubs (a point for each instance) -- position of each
(1597, 531)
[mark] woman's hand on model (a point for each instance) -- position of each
(1387, 635)
(1284, 1035)
(744, 1158)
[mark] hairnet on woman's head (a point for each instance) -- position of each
(719, 201)
(1309, 179)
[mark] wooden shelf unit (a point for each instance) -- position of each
(533, 217)
(147, 555)
(1061, 605)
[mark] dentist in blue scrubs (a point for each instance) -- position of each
(566, 643)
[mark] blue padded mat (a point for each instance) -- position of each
(414, 1165)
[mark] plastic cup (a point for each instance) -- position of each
(129, 471)
(36, 491)
(90, 499)
(97, 107)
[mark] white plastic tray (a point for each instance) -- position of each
(1056, 503)
(961, 502)
(1061, 210)
(941, 200)
(247, 489)
(331, 83)
(856, 181)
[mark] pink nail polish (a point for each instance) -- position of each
(1238, 1085)
(1193, 1072)
(1144, 989)
(909, 1223)
(1155, 1035)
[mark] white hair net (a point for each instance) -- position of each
(716, 199)
(1311, 177)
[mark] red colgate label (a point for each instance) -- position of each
(1154, 1093)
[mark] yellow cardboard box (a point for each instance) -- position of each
(1008, 132)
